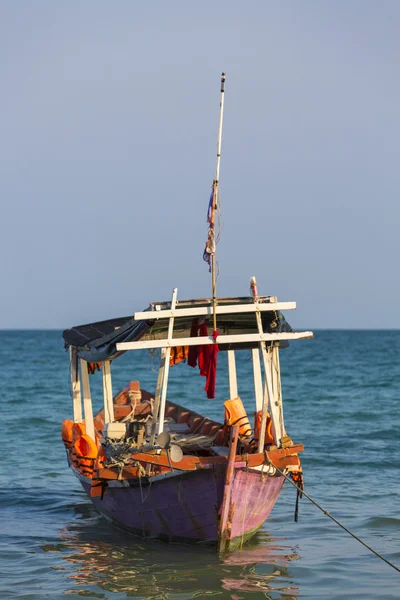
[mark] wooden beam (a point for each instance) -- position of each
(163, 399)
(107, 392)
(208, 340)
(192, 463)
(257, 375)
(277, 386)
(158, 396)
(87, 400)
(208, 310)
(268, 399)
(75, 386)
(225, 523)
(233, 388)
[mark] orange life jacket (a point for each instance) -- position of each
(269, 437)
(235, 414)
(86, 453)
(66, 433)
(178, 354)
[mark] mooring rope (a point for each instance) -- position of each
(335, 520)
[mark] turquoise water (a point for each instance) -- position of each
(341, 399)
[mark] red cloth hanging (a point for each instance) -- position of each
(205, 357)
(193, 350)
(204, 353)
(212, 368)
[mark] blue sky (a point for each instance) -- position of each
(108, 123)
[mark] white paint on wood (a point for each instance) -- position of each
(208, 310)
(221, 117)
(160, 378)
(75, 386)
(233, 388)
(87, 400)
(257, 375)
(208, 340)
(276, 380)
(107, 392)
(163, 399)
(269, 399)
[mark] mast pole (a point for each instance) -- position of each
(221, 116)
(215, 199)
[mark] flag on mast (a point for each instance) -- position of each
(209, 250)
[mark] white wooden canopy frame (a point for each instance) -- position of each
(267, 395)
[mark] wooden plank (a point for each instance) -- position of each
(191, 463)
(87, 400)
(225, 522)
(208, 340)
(160, 378)
(107, 392)
(233, 388)
(257, 375)
(208, 310)
(163, 399)
(75, 386)
(277, 386)
(268, 399)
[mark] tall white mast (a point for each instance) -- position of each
(215, 199)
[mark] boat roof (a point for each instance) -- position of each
(96, 342)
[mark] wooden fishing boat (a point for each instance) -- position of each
(158, 469)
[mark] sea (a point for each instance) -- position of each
(341, 394)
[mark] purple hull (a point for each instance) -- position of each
(186, 506)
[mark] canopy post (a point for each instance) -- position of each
(268, 396)
(158, 394)
(107, 392)
(268, 388)
(227, 508)
(233, 388)
(257, 375)
(163, 398)
(75, 385)
(277, 385)
(87, 400)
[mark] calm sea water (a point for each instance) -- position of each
(342, 400)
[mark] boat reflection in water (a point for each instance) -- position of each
(112, 561)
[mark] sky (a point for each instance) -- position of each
(108, 128)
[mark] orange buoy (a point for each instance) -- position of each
(235, 414)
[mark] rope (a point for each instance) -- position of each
(336, 521)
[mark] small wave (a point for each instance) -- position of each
(383, 523)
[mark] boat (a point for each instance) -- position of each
(161, 470)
